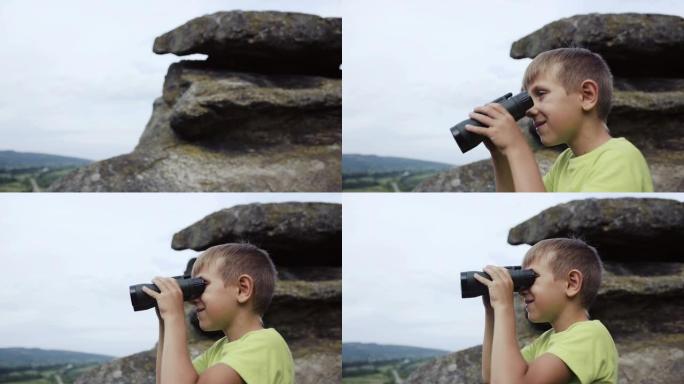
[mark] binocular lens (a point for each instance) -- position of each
(516, 106)
(192, 288)
(522, 279)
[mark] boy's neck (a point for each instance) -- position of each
(570, 315)
(590, 136)
(243, 323)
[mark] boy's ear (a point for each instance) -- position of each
(574, 283)
(589, 92)
(245, 286)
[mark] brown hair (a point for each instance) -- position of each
(573, 66)
(564, 255)
(241, 258)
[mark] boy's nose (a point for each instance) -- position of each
(532, 112)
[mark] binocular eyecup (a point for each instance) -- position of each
(192, 288)
(522, 279)
(516, 105)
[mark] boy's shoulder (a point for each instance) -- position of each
(582, 334)
(586, 347)
(615, 166)
(249, 354)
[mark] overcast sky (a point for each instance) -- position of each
(68, 259)
(413, 69)
(79, 76)
(403, 254)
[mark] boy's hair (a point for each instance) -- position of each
(573, 66)
(564, 255)
(235, 259)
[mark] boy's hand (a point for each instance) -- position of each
(502, 131)
(169, 299)
(500, 286)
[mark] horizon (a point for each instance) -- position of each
(83, 251)
(418, 304)
(90, 95)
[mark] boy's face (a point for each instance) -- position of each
(557, 114)
(218, 305)
(545, 299)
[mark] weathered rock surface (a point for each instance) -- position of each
(217, 129)
(267, 41)
(650, 120)
(608, 223)
(210, 102)
(633, 44)
(640, 300)
(461, 367)
(477, 176)
(315, 228)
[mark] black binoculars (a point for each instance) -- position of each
(192, 288)
(522, 279)
(515, 105)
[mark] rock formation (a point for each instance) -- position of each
(642, 51)
(640, 299)
(307, 305)
(261, 113)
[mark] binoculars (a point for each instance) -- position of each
(522, 279)
(515, 105)
(192, 288)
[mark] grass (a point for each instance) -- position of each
(379, 372)
(43, 374)
(404, 181)
(19, 180)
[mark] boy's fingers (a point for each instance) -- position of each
(150, 292)
(493, 271)
(479, 130)
(481, 117)
(162, 283)
(498, 108)
(482, 279)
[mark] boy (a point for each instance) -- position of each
(576, 349)
(571, 89)
(240, 279)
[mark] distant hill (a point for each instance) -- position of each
(19, 160)
(360, 352)
(21, 357)
(365, 164)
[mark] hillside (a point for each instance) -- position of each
(365, 164)
(20, 160)
(364, 352)
(21, 357)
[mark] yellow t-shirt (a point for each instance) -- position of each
(259, 357)
(615, 166)
(586, 347)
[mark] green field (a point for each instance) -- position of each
(381, 372)
(19, 180)
(51, 374)
(402, 181)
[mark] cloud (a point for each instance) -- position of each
(417, 70)
(69, 259)
(80, 83)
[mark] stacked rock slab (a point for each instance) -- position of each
(261, 113)
(641, 299)
(644, 54)
(305, 243)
